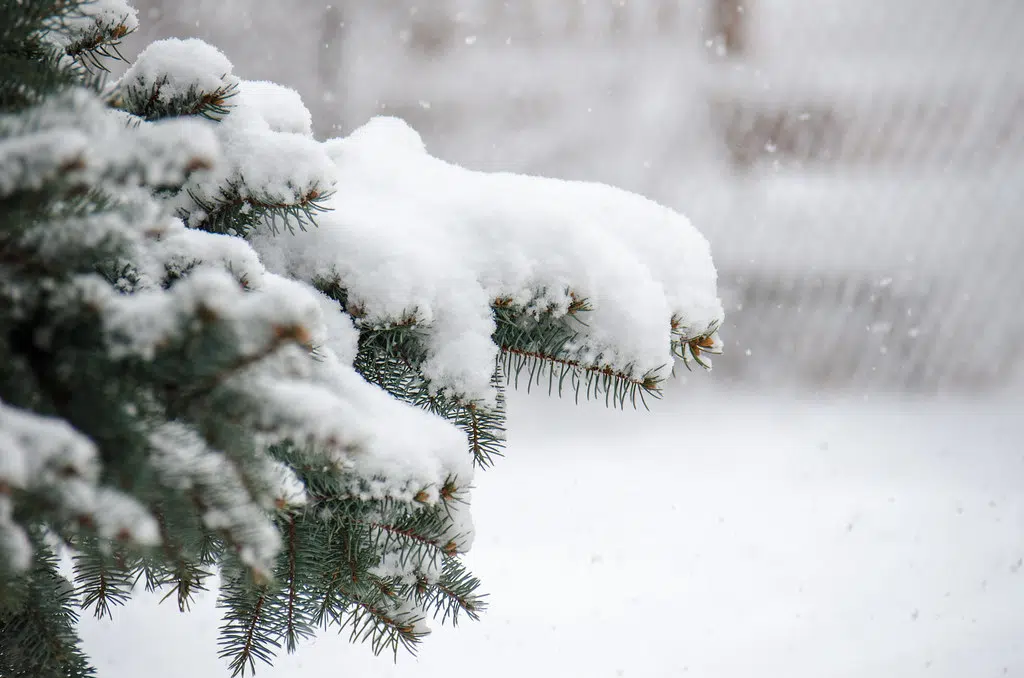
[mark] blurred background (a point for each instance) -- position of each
(858, 167)
(844, 494)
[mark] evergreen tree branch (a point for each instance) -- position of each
(454, 592)
(32, 67)
(154, 104)
(237, 210)
(290, 547)
(694, 348)
(547, 341)
(392, 356)
(103, 579)
(246, 634)
(38, 639)
(181, 575)
(99, 42)
(384, 630)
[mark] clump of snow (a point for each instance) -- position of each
(409, 447)
(387, 448)
(109, 17)
(174, 147)
(268, 150)
(185, 461)
(173, 68)
(75, 137)
(281, 107)
(410, 234)
(181, 250)
(267, 166)
(142, 322)
(29, 161)
(46, 455)
(339, 332)
(111, 13)
(15, 547)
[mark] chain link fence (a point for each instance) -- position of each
(857, 166)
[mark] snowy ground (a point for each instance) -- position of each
(720, 535)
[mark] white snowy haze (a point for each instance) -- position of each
(844, 494)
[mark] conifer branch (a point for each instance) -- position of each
(694, 348)
(246, 655)
(392, 356)
(384, 631)
(454, 592)
(38, 638)
(185, 401)
(237, 211)
(182, 576)
(102, 581)
(617, 386)
(290, 634)
(100, 43)
(246, 634)
(151, 104)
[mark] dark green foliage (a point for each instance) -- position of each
(238, 212)
(541, 345)
(32, 69)
(38, 638)
(148, 104)
(54, 360)
(103, 577)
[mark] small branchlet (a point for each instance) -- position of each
(547, 343)
(154, 103)
(452, 593)
(695, 348)
(237, 210)
(102, 42)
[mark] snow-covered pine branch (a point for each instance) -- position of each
(266, 354)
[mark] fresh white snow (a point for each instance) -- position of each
(281, 107)
(722, 534)
(411, 236)
(84, 21)
(173, 67)
(408, 236)
(46, 456)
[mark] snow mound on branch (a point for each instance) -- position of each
(89, 18)
(268, 152)
(174, 67)
(110, 13)
(410, 234)
(281, 107)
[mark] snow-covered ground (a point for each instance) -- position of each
(722, 534)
